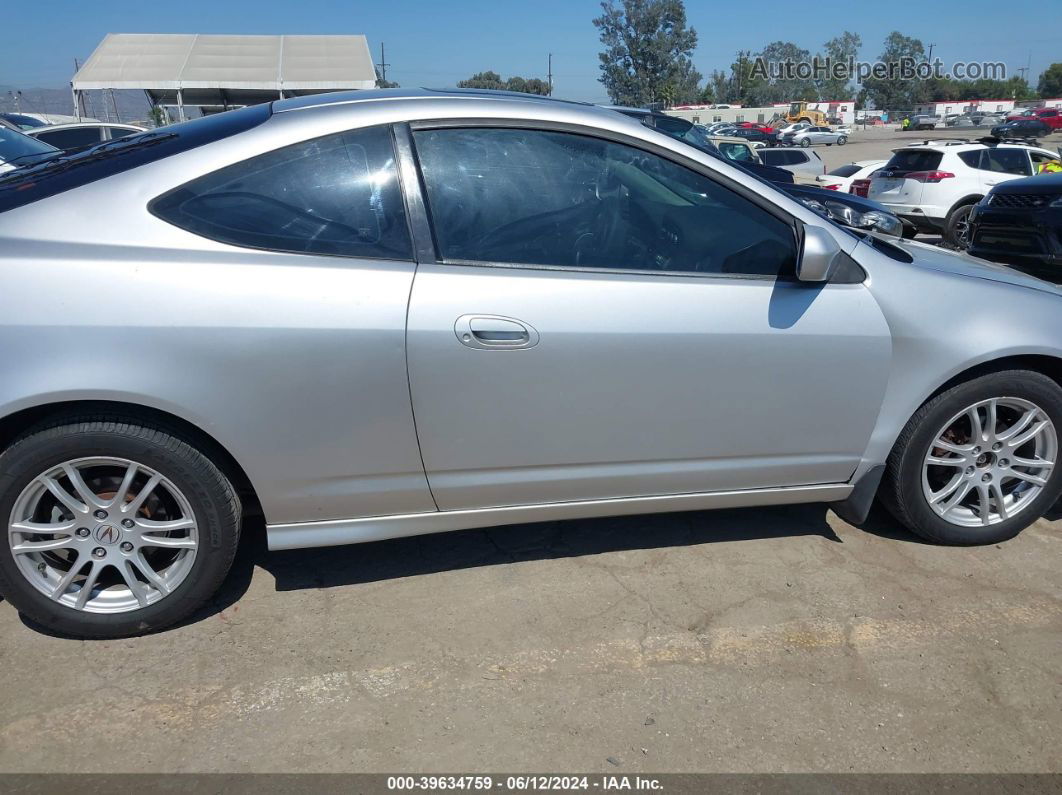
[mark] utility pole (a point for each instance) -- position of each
(930, 58)
(549, 74)
(383, 64)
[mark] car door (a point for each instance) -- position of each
(603, 322)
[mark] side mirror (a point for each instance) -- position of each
(819, 257)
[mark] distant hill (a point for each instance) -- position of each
(126, 106)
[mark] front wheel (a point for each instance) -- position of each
(114, 527)
(806, 143)
(978, 463)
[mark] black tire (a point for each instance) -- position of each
(901, 488)
(805, 142)
(956, 227)
(842, 141)
(206, 488)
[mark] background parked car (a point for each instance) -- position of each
(848, 210)
(804, 163)
(18, 149)
(783, 129)
(1022, 128)
(1052, 117)
(22, 121)
(81, 135)
(753, 136)
(814, 135)
(1019, 223)
(842, 177)
(935, 185)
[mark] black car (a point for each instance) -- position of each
(1022, 128)
(752, 135)
(1019, 223)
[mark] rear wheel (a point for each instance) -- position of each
(841, 141)
(957, 227)
(114, 528)
(979, 463)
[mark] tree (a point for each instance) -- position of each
(528, 85)
(778, 87)
(381, 83)
(493, 81)
(1050, 85)
(719, 87)
(892, 91)
(158, 116)
(648, 51)
(838, 50)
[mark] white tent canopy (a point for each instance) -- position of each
(180, 69)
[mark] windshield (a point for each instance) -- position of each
(16, 148)
(914, 160)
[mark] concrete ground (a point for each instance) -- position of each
(754, 640)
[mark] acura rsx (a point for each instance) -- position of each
(375, 314)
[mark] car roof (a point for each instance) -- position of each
(958, 145)
(427, 94)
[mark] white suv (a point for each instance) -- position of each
(934, 185)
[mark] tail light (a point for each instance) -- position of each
(929, 176)
(860, 187)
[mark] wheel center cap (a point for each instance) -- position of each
(107, 534)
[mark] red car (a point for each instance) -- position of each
(1052, 117)
(751, 125)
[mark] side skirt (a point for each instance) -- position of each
(377, 528)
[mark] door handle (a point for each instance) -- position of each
(494, 332)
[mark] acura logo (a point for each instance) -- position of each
(107, 534)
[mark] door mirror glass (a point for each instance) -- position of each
(819, 257)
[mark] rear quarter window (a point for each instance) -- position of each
(336, 195)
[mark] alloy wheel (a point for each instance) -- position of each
(103, 535)
(989, 462)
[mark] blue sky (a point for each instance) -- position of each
(436, 43)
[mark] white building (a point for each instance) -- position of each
(705, 114)
(961, 106)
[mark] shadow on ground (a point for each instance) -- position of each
(409, 557)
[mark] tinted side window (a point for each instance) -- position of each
(333, 195)
(1006, 161)
(557, 199)
(72, 138)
